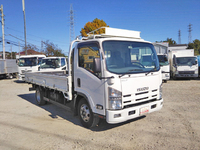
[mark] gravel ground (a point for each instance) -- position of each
(26, 126)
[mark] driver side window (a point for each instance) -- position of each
(86, 53)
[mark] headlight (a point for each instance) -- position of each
(160, 92)
(114, 99)
(196, 71)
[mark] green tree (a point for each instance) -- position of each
(13, 55)
(170, 41)
(31, 47)
(91, 26)
(195, 45)
(52, 50)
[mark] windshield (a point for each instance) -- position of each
(163, 60)
(186, 61)
(40, 60)
(130, 57)
(198, 57)
(50, 63)
(27, 62)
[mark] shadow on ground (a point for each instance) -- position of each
(56, 111)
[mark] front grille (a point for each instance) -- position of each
(141, 93)
(186, 72)
(23, 71)
(141, 103)
(131, 100)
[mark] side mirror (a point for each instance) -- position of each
(96, 65)
(165, 58)
(64, 68)
(174, 61)
(196, 62)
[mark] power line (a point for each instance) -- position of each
(22, 40)
(35, 36)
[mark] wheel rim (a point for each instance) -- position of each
(10, 76)
(85, 113)
(38, 95)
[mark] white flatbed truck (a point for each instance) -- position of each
(99, 83)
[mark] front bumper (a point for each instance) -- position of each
(21, 77)
(165, 76)
(118, 116)
(186, 75)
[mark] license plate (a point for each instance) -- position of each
(144, 110)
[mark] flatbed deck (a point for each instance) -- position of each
(53, 80)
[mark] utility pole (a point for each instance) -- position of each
(19, 48)
(179, 36)
(11, 50)
(190, 34)
(71, 23)
(42, 46)
(23, 5)
(3, 38)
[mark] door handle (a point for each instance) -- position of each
(78, 82)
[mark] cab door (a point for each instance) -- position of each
(86, 82)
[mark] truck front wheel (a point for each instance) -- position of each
(87, 117)
(39, 97)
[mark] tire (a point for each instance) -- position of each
(86, 116)
(10, 76)
(39, 97)
(174, 78)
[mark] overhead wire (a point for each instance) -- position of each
(36, 36)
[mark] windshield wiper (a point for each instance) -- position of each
(129, 72)
(150, 71)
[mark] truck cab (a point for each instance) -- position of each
(185, 67)
(162, 52)
(28, 63)
(164, 64)
(53, 64)
(183, 63)
(121, 85)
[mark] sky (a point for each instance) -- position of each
(49, 20)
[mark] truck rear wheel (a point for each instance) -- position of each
(39, 97)
(87, 117)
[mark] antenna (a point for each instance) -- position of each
(72, 36)
(190, 34)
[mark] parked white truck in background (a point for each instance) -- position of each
(198, 58)
(8, 68)
(28, 63)
(53, 64)
(162, 52)
(106, 78)
(183, 63)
